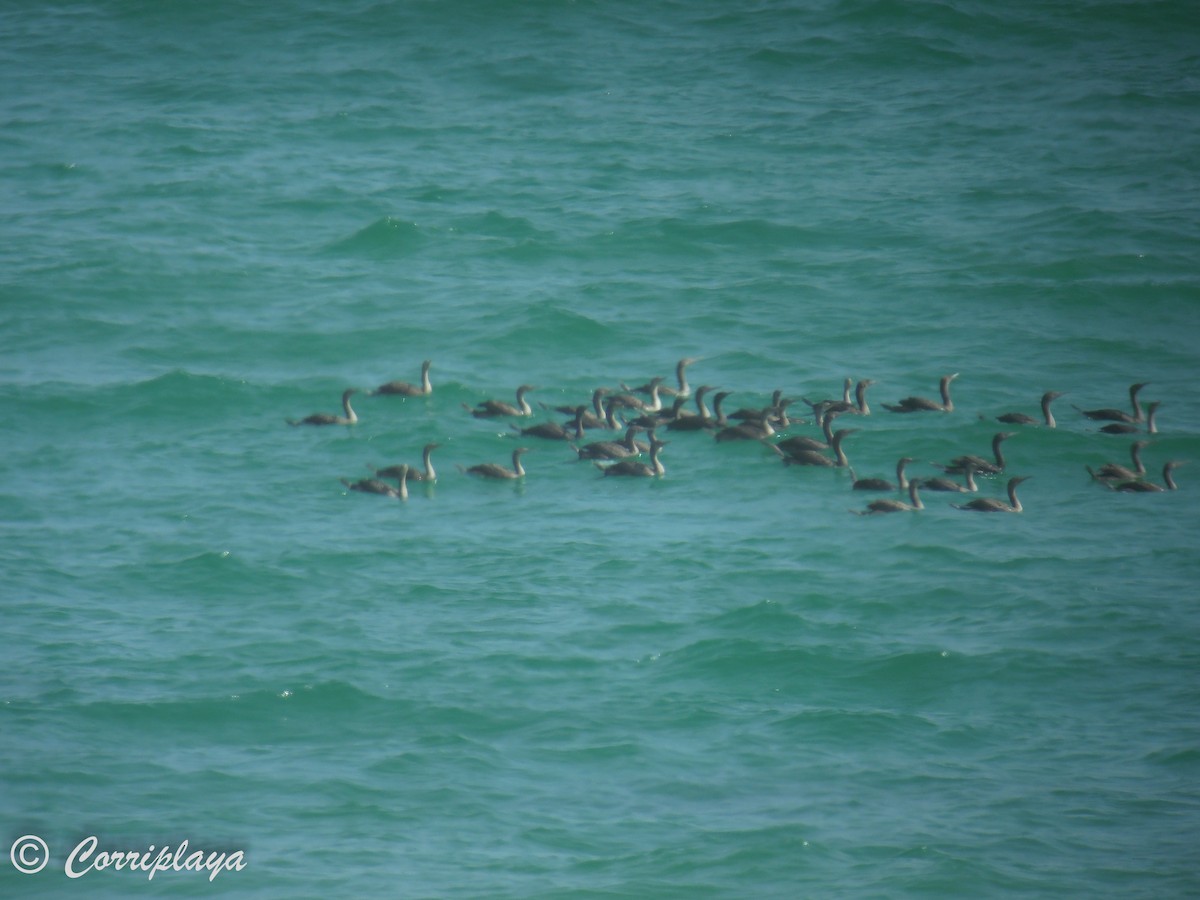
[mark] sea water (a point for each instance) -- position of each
(717, 683)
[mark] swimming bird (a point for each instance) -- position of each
(748, 430)
(813, 458)
(1142, 487)
(636, 467)
(882, 484)
(858, 407)
(945, 484)
(597, 418)
(650, 419)
(958, 465)
(404, 389)
(680, 376)
(720, 420)
(632, 402)
(1132, 427)
(889, 505)
(860, 397)
(491, 408)
(556, 432)
(1113, 472)
(628, 446)
(697, 421)
(779, 415)
(495, 470)
(824, 405)
(1016, 418)
(376, 486)
(693, 421)
(684, 388)
(329, 419)
(427, 474)
(612, 422)
(991, 504)
(924, 404)
(800, 442)
(754, 412)
(1116, 415)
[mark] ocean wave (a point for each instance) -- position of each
(319, 704)
(543, 322)
(496, 224)
(384, 238)
(169, 397)
(700, 236)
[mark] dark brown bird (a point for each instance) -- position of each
(426, 473)
(613, 449)
(495, 470)
(376, 486)
(959, 464)
(1133, 427)
(924, 404)
(813, 458)
(1113, 472)
(404, 389)
(882, 484)
(991, 504)
(1116, 415)
(1016, 418)
(889, 506)
(946, 485)
(698, 421)
(328, 418)
(556, 432)
(488, 409)
(635, 467)
(1143, 487)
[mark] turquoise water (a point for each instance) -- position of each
(714, 684)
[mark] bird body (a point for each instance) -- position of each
(813, 458)
(797, 443)
(1117, 415)
(427, 473)
(1133, 427)
(959, 464)
(404, 389)
(554, 431)
(613, 449)
(596, 418)
(631, 402)
(1016, 418)
(889, 505)
(1144, 487)
(635, 467)
(1113, 472)
(856, 407)
(946, 485)
(349, 417)
(495, 470)
(882, 484)
(377, 486)
(680, 376)
(924, 404)
(991, 504)
(488, 409)
(747, 430)
(696, 421)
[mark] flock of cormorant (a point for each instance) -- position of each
(642, 410)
